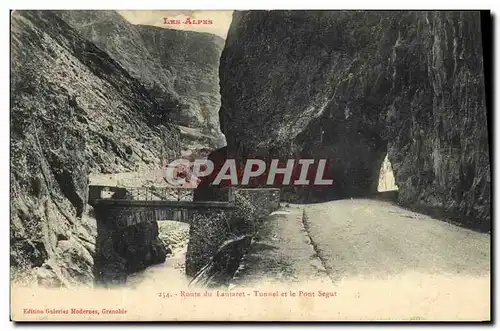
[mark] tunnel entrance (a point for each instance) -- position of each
(386, 181)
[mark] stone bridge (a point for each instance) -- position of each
(121, 207)
(127, 232)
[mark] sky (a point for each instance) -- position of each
(221, 19)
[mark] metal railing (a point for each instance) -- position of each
(159, 193)
(150, 193)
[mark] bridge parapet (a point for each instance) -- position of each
(126, 206)
(102, 192)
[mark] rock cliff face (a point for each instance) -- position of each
(75, 110)
(178, 68)
(354, 86)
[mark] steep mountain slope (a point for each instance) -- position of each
(173, 65)
(354, 86)
(74, 110)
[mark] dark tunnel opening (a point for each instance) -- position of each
(386, 181)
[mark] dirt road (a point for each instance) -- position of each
(376, 239)
(382, 262)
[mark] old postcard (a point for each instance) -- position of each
(265, 165)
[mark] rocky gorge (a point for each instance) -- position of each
(92, 94)
(78, 110)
